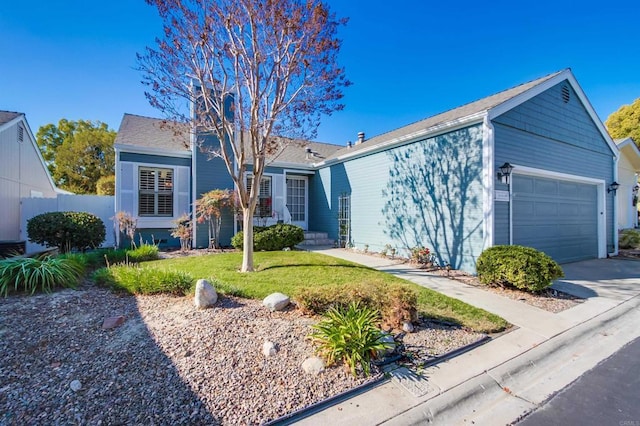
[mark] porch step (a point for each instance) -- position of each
(312, 238)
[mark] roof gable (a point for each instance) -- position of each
(630, 150)
(154, 133)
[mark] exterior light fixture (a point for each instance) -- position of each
(635, 189)
(613, 187)
(504, 171)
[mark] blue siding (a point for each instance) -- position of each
(155, 159)
(425, 193)
(549, 134)
(212, 174)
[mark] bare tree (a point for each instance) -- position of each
(259, 68)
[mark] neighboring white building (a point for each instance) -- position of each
(628, 171)
(23, 173)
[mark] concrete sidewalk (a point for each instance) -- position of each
(518, 370)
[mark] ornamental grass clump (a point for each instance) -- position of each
(350, 335)
(522, 267)
(30, 275)
(133, 279)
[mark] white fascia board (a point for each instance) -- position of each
(11, 122)
(152, 151)
(536, 90)
(287, 165)
(297, 171)
(430, 132)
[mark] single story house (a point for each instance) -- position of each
(628, 191)
(531, 165)
(23, 174)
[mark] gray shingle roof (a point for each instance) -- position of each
(136, 130)
(472, 108)
(7, 116)
(296, 152)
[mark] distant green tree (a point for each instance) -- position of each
(77, 153)
(625, 122)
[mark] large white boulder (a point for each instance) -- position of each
(276, 301)
(206, 295)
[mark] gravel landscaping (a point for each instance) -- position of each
(167, 363)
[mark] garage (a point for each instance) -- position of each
(558, 217)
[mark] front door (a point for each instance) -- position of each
(297, 200)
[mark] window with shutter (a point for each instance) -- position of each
(155, 197)
(265, 197)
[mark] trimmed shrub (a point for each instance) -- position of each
(629, 239)
(66, 230)
(137, 280)
(350, 335)
(30, 275)
(396, 303)
(271, 238)
(522, 267)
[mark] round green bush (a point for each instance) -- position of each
(271, 238)
(522, 267)
(66, 230)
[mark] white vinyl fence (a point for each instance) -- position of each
(102, 206)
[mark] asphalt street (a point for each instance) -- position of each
(609, 394)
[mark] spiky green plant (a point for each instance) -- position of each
(144, 253)
(136, 280)
(349, 335)
(30, 275)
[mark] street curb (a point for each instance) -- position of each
(520, 384)
(316, 407)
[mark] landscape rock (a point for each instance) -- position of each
(391, 347)
(314, 365)
(276, 301)
(269, 349)
(206, 295)
(75, 385)
(407, 327)
(112, 322)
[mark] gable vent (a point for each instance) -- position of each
(20, 134)
(566, 94)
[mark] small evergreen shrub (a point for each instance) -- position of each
(66, 230)
(396, 303)
(629, 239)
(271, 238)
(106, 185)
(30, 275)
(350, 335)
(522, 267)
(137, 280)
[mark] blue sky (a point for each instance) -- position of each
(408, 60)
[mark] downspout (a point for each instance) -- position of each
(615, 208)
(488, 183)
(194, 155)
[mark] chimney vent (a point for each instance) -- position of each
(360, 138)
(348, 144)
(308, 150)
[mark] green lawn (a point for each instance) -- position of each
(286, 272)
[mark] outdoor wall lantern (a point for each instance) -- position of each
(613, 187)
(504, 172)
(635, 189)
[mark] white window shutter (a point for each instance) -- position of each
(126, 184)
(182, 185)
(278, 196)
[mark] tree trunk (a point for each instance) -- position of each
(247, 252)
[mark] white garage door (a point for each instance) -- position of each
(557, 217)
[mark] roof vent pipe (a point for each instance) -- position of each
(348, 144)
(360, 138)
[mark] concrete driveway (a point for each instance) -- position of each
(614, 279)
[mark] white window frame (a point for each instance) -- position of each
(156, 191)
(257, 211)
